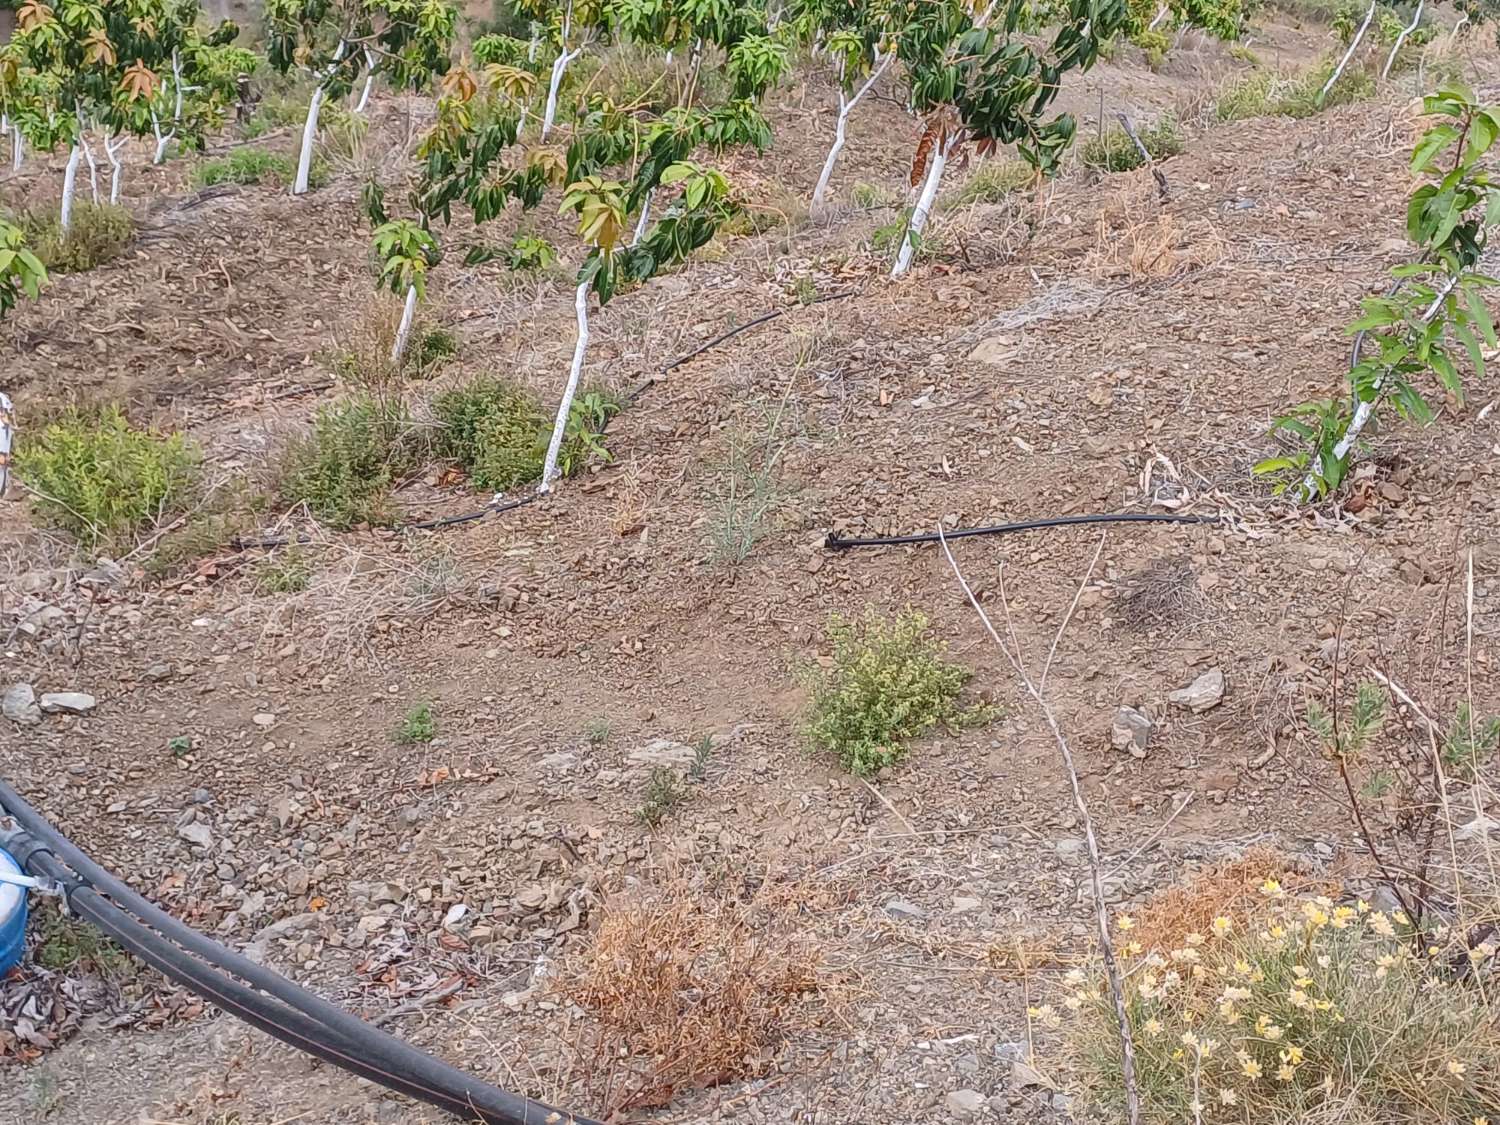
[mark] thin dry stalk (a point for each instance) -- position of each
(1016, 658)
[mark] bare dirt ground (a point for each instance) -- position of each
(1103, 352)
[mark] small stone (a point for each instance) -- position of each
(158, 672)
(663, 752)
(995, 351)
(900, 908)
(455, 915)
(68, 702)
(19, 705)
(962, 904)
(1131, 731)
(377, 892)
(1069, 849)
(965, 1103)
(263, 719)
(1023, 1074)
(1203, 694)
(196, 834)
(297, 880)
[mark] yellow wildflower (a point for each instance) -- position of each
(1298, 998)
(1271, 889)
(1285, 1073)
(1073, 1003)
(1456, 1068)
(1341, 917)
(1242, 967)
(1152, 1026)
(1074, 977)
(1292, 1054)
(1194, 939)
(1125, 922)
(1235, 993)
(1189, 1039)
(1250, 1068)
(1222, 926)
(1362, 906)
(1382, 925)
(1228, 1097)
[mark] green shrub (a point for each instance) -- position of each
(1307, 1013)
(343, 472)
(1116, 152)
(286, 573)
(499, 432)
(418, 725)
(429, 349)
(1261, 93)
(888, 683)
(1245, 96)
(494, 429)
(245, 166)
(101, 478)
(991, 182)
(100, 233)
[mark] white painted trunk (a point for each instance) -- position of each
(70, 181)
(88, 155)
(112, 147)
(1354, 43)
(309, 139)
(403, 332)
(1390, 59)
(1160, 15)
(560, 426)
(846, 107)
(17, 148)
(364, 96)
(833, 155)
(559, 65)
(640, 224)
(310, 126)
(923, 209)
(7, 422)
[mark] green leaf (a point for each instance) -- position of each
(1434, 141)
(1447, 373)
(1471, 344)
(1481, 316)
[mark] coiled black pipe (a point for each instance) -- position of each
(288, 1013)
(835, 543)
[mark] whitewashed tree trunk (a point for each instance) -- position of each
(1390, 60)
(364, 96)
(1459, 26)
(1156, 19)
(923, 209)
(310, 126)
(70, 181)
(640, 224)
(403, 332)
(846, 106)
(112, 147)
(88, 155)
(7, 430)
(559, 65)
(1338, 71)
(162, 139)
(560, 426)
(17, 148)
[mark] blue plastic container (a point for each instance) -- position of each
(12, 917)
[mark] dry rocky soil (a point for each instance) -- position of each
(1096, 350)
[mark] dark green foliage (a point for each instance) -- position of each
(100, 232)
(344, 471)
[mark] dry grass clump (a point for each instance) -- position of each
(1230, 888)
(1133, 243)
(687, 991)
(1164, 592)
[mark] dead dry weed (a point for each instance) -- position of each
(1230, 889)
(1134, 239)
(686, 989)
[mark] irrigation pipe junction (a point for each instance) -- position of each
(262, 998)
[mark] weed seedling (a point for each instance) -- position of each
(180, 745)
(664, 792)
(597, 731)
(418, 726)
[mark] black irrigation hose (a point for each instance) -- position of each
(835, 543)
(314, 1024)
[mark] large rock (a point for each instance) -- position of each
(663, 752)
(1130, 731)
(965, 1103)
(68, 702)
(1203, 694)
(197, 834)
(19, 705)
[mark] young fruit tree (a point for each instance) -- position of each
(979, 82)
(857, 35)
(338, 40)
(1430, 320)
(21, 275)
(614, 164)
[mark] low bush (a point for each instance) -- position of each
(417, 726)
(245, 166)
(344, 470)
(99, 233)
(286, 573)
(886, 684)
(499, 432)
(1116, 152)
(1311, 1010)
(991, 182)
(1262, 93)
(101, 478)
